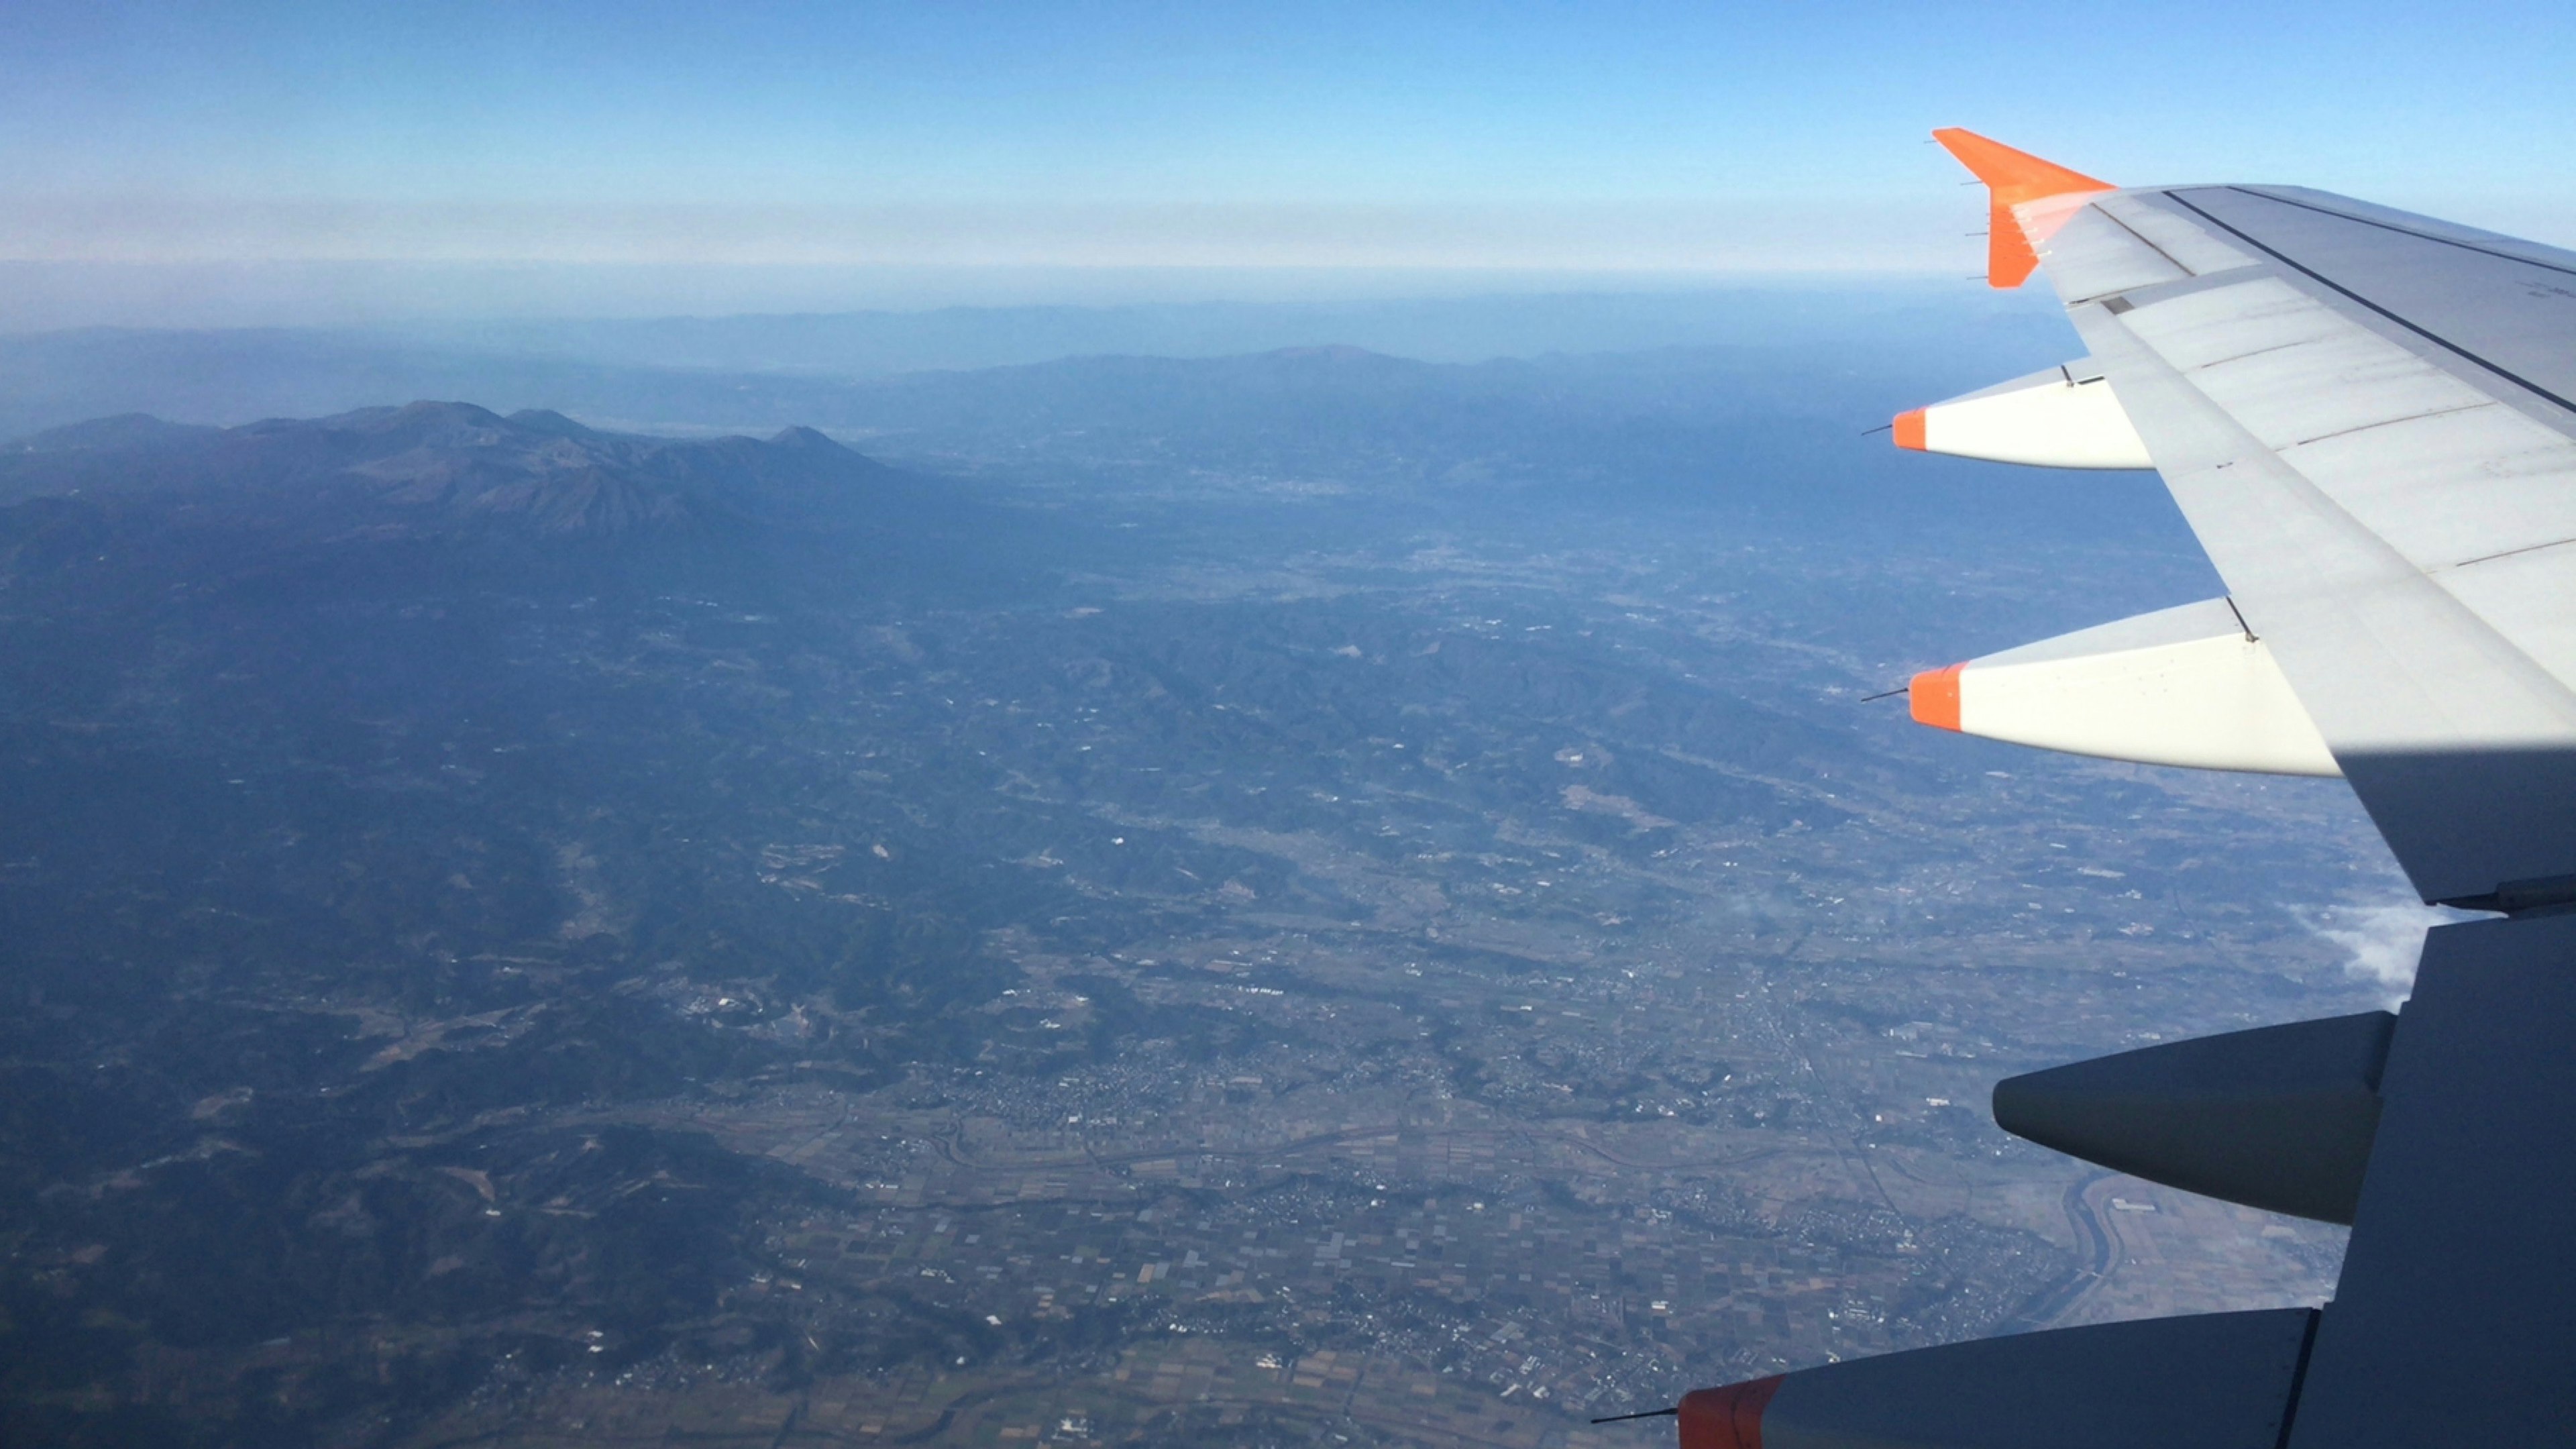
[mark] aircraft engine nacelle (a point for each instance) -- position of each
(2188, 686)
(2065, 417)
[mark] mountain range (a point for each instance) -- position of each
(360, 500)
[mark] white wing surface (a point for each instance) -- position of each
(2366, 417)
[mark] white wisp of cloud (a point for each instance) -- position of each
(2381, 943)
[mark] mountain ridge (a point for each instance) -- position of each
(430, 499)
(434, 465)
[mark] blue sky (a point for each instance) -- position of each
(1646, 138)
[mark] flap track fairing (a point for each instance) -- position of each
(2189, 686)
(2065, 417)
(2279, 1118)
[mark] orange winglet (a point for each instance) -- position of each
(1933, 696)
(1909, 430)
(2012, 178)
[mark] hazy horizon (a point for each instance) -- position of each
(676, 372)
(51, 296)
(274, 164)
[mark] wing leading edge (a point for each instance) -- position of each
(2365, 417)
(2369, 420)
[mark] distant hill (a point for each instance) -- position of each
(435, 464)
(1467, 329)
(1807, 352)
(412, 491)
(123, 433)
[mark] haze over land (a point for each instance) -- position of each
(1228, 899)
(1123, 724)
(695, 373)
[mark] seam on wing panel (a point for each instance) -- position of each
(2492, 557)
(2349, 295)
(2150, 208)
(2392, 422)
(2142, 241)
(2546, 688)
(2383, 226)
(2257, 352)
(2154, 292)
(2350, 524)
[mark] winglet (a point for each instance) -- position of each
(2012, 178)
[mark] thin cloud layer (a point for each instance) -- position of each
(2382, 943)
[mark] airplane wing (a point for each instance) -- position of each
(2369, 420)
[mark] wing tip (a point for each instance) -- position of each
(2012, 178)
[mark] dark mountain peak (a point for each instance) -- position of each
(381, 419)
(807, 440)
(123, 432)
(445, 421)
(464, 412)
(453, 471)
(549, 422)
(380, 431)
(453, 464)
